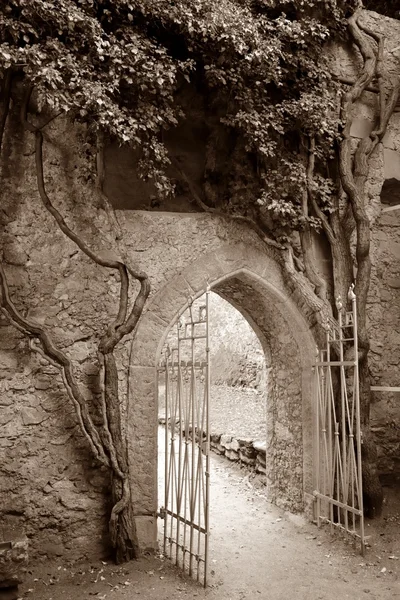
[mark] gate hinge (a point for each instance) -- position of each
(162, 513)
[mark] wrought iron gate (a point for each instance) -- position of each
(185, 369)
(339, 499)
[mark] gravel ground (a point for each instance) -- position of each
(257, 551)
(236, 411)
(239, 412)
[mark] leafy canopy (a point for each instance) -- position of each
(121, 65)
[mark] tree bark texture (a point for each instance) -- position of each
(353, 170)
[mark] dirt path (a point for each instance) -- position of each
(256, 552)
(261, 552)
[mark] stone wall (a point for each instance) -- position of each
(237, 357)
(384, 319)
(49, 486)
(249, 453)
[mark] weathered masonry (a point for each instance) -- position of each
(49, 485)
(248, 277)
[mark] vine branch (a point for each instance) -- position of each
(209, 209)
(107, 443)
(6, 103)
(58, 359)
(305, 233)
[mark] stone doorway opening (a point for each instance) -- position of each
(212, 386)
(251, 282)
(239, 386)
(238, 389)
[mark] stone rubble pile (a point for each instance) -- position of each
(246, 451)
(251, 453)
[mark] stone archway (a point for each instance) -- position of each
(250, 280)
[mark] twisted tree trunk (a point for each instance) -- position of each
(353, 172)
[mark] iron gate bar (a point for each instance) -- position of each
(338, 450)
(187, 442)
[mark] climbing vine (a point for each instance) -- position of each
(279, 156)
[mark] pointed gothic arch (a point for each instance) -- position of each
(251, 280)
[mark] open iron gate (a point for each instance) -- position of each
(339, 497)
(185, 371)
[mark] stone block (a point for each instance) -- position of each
(8, 360)
(170, 300)
(394, 282)
(389, 139)
(232, 455)
(13, 560)
(386, 296)
(14, 254)
(390, 218)
(233, 258)
(147, 340)
(63, 484)
(6, 416)
(392, 163)
(230, 445)
(260, 446)
(203, 272)
(247, 460)
(142, 433)
(146, 528)
(43, 383)
(75, 502)
(225, 440)
(32, 416)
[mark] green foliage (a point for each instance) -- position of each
(121, 66)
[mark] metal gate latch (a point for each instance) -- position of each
(161, 513)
